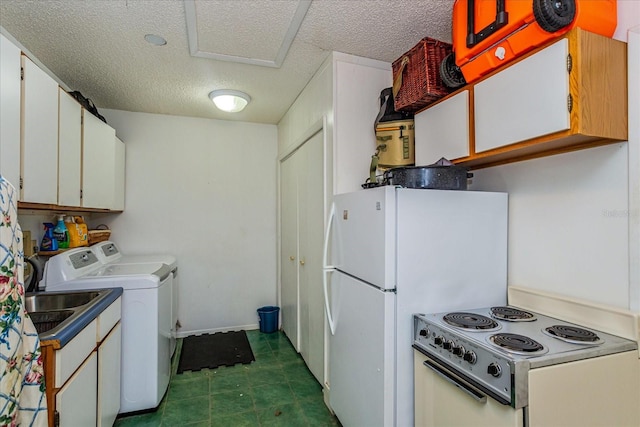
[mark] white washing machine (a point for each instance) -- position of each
(145, 321)
(108, 252)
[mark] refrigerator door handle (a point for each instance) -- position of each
(325, 273)
(328, 269)
(327, 236)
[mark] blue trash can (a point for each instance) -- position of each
(268, 319)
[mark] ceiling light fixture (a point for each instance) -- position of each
(155, 40)
(231, 101)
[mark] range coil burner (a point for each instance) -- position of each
(511, 314)
(470, 321)
(573, 334)
(515, 343)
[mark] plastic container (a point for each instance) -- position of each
(61, 234)
(48, 243)
(268, 319)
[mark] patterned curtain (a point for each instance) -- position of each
(22, 389)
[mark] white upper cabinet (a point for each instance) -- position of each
(119, 179)
(70, 149)
(98, 162)
(10, 111)
(443, 130)
(39, 135)
(526, 100)
(569, 95)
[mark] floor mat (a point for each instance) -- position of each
(213, 350)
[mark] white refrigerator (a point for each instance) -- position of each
(391, 252)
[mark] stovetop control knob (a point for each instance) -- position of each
(458, 350)
(447, 345)
(438, 340)
(494, 370)
(470, 356)
(424, 332)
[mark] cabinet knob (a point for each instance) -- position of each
(301, 262)
(291, 258)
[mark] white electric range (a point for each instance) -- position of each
(513, 366)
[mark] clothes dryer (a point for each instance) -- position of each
(145, 322)
(108, 252)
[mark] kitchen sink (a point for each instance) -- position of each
(45, 321)
(58, 301)
(53, 313)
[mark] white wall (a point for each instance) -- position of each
(567, 230)
(204, 190)
(573, 218)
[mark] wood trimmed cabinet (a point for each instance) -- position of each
(569, 95)
(46, 151)
(83, 376)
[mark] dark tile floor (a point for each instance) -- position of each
(275, 390)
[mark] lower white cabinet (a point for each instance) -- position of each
(85, 386)
(76, 401)
(108, 382)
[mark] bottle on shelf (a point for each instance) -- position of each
(49, 243)
(61, 234)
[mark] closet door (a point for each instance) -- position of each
(289, 248)
(310, 240)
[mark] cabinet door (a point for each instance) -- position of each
(39, 135)
(69, 150)
(289, 248)
(10, 111)
(76, 402)
(109, 374)
(98, 162)
(523, 101)
(443, 130)
(118, 192)
(310, 238)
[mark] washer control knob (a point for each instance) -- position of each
(458, 350)
(447, 345)
(494, 370)
(469, 356)
(438, 340)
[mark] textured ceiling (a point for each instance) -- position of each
(98, 46)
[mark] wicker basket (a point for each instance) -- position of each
(99, 235)
(416, 75)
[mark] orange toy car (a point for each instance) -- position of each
(509, 28)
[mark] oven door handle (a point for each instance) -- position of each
(481, 398)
